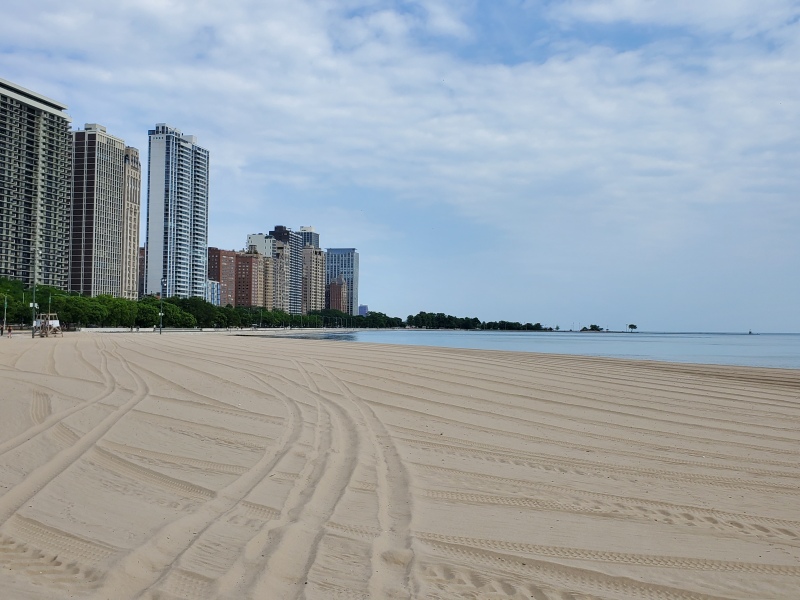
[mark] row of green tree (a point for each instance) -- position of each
(106, 311)
(443, 321)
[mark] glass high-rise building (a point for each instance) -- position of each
(35, 173)
(344, 262)
(310, 237)
(177, 214)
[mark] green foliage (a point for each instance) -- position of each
(205, 313)
(108, 311)
(514, 326)
(442, 321)
(147, 312)
(373, 320)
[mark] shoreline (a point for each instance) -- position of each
(760, 356)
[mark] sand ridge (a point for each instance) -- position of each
(208, 465)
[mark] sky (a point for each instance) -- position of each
(568, 162)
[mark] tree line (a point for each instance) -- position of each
(75, 310)
(443, 321)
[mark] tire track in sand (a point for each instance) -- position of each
(146, 568)
(648, 560)
(16, 497)
(53, 419)
(52, 558)
(276, 561)
(392, 560)
(581, 501)
(589, 468)
(498, 568)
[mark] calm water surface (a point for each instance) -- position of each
(780, 350)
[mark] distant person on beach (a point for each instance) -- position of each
(9, 331)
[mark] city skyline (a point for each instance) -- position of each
(603, 161)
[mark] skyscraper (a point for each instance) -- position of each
(222, 268)
(281, 277)
(104, 218)
(35, 164)
(261, 243)
(177, 213)
(310, 237)
(249, 279)
(344, 262)
(313, 279)
(131, 217)
(295, 243)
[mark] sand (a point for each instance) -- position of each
(209, 465)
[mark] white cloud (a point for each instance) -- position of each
(739, 18)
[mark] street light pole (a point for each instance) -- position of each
(33, 311)
(161, 312)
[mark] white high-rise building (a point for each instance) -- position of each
(177, 214)
(261, 243)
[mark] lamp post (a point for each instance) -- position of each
(33, 312)
(5, 310)
(161, 311)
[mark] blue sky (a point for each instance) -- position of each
(568, 162)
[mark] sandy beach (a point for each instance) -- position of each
(211, 465)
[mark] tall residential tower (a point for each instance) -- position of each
(293, 243)
(131, 217)
(177, 214)
(313, 279)
(35, 163)
(104, 219)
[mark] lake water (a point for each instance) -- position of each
(780, 350)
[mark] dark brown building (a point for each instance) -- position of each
(222, 268)
(336, 294)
